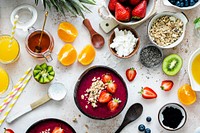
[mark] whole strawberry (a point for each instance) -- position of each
(139, 11)
(111, 5)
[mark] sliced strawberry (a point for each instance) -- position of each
(114, 104)
(111, 87)
(166, 85)
(106, 78)
(111, 5)
(121, 13)
(148, 93)
(58, 130)
(134, 2)
(131, 73)
(104, 97)
(139, 11)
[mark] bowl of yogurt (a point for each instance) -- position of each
(124, 42)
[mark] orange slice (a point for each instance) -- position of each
(186, 95)
(67, 32)
(67, 55)
(87, 55)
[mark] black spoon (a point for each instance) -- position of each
(132, 114)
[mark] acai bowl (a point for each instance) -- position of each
(96, 103)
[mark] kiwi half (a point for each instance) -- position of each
(172, 64)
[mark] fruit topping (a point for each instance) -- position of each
(43, 73)
(58, 130)
(141, 127)
(147, 130)
(134, 2)
(139, 11)
(106, 78)
(122, 13)
(111, 87)
(183, 3)
(172, 64)
(105, 97)
(131, 74)
(87, 55)
(113, 104)
(167, 85)
(67, 32)
(67, 55)
(111, 5)
(148, 119)
(148, 93)
(8, 130)
(186, 95)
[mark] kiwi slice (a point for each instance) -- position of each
(172, 64)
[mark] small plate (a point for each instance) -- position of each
(84, 82)
(50, 123)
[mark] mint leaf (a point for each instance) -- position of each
(197, 23)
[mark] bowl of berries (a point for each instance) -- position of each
(100, 93)
(127, 12)
(182, 4)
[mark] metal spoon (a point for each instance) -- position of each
(97, 40)
(132, 114)
(38, 47)
(56, 91)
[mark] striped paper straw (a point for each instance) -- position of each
(14, 91)
(15, 99)
(13, 30)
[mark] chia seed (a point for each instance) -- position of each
(150, 56)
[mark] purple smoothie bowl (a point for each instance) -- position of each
(101, 112)
(50, 123)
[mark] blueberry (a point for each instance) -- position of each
(141, 127)
(178, 3)
(196, 1)
(182, 4)
(148, 119)
(172, 1)
(186, 3)
(191, 2)
(147, 130)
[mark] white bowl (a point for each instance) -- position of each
(194, 84)
(177, 106)
(150, 8)
(179, 15)
(167, 3)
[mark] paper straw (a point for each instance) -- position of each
(14, 91)
(13, 30)
(15, 99)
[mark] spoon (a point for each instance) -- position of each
(132, 114)
(56, 91)
(97, 39)
(38, 47)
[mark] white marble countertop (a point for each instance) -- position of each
(66, 109)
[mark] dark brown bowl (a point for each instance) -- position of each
(112, 36)
(84, 81)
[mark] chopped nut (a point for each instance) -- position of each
(74, 120)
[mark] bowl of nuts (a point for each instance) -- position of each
(167, 29)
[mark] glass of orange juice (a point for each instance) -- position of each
(5, 83)
(9, 52)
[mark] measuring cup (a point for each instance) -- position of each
(56, 91)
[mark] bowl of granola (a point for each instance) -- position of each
(100, 93)
(167, 29)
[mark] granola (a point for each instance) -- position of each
(166, 30)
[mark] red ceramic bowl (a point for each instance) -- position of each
(101, 112)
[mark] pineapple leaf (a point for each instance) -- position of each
(79, 11)
(54, 4)
(67, 5)
(87, 8)
(78, 3)
(44, 2)
(92, 2)
(36, 2)
(48, 4)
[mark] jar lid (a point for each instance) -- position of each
(27, 16)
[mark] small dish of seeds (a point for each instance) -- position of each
(151, 56)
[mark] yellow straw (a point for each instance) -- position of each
(15, 99)
(13, 30)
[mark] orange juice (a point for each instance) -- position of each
(4, 81)
(196, 69)
(8, 53)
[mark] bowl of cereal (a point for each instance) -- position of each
(124, 42)
(167, 29)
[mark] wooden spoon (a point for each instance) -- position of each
(132, 114)
(97, 40)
